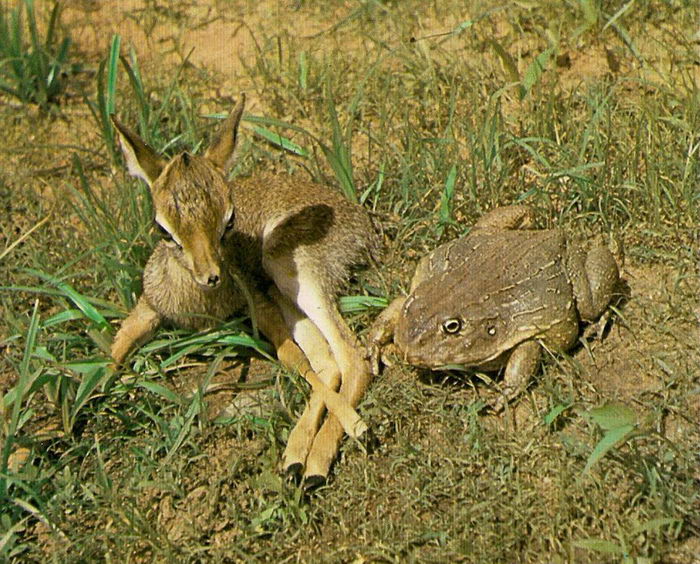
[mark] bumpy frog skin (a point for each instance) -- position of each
(495, 297)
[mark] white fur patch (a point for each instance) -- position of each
(270, 226)
(132, 163)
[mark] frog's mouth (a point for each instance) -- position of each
(417, 359)
(455, 367)
(490, 364)
(444, 362)
(486, 366)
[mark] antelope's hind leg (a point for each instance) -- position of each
(356, 377)
(305, 289)
(316, 349)
(273, 326)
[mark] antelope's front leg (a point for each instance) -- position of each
(137, 328)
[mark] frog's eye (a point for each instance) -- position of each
(451, 326)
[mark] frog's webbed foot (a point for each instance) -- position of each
(375, 354)
(597, 329)
(385, 355)
(522, 365)
(381, 332)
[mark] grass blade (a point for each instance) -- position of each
(618, 14)
(599, 545)
(612, 415)
(80, 301)
(21, 390)
(361, 304)
(87, 386)
(508, 62)
(611, 439)
(654, 524)
(161, 391)
(134, 74)
(303, 70)
(342, 173)
(590, 12)
(62, 317)
(51, 28)
(106, 94)
(281, 142)
(555, 412)
(112, 74)
(269, 121)
(534, 71)
(24, 368)
(445, 214)
(339, 155)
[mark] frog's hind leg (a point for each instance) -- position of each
(594, 278)
(521, 367)
(508, 217)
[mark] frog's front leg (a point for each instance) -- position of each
(382, 331)
(508, 217)
(521, 367)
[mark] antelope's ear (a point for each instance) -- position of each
(221, 150)
(141, 160)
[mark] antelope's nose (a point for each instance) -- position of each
(213, 281)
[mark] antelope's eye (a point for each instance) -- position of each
(491, 331)
(164, 232)
(451, 326)
(228, 227)
(167, 236)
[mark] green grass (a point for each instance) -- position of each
(32, 65)
(428, 126)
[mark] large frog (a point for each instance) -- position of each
(495, 297)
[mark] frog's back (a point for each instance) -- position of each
(528, 266)
(497, 264)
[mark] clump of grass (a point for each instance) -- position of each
(32, 67)
(175, 108)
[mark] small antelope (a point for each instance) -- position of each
(281, 245)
